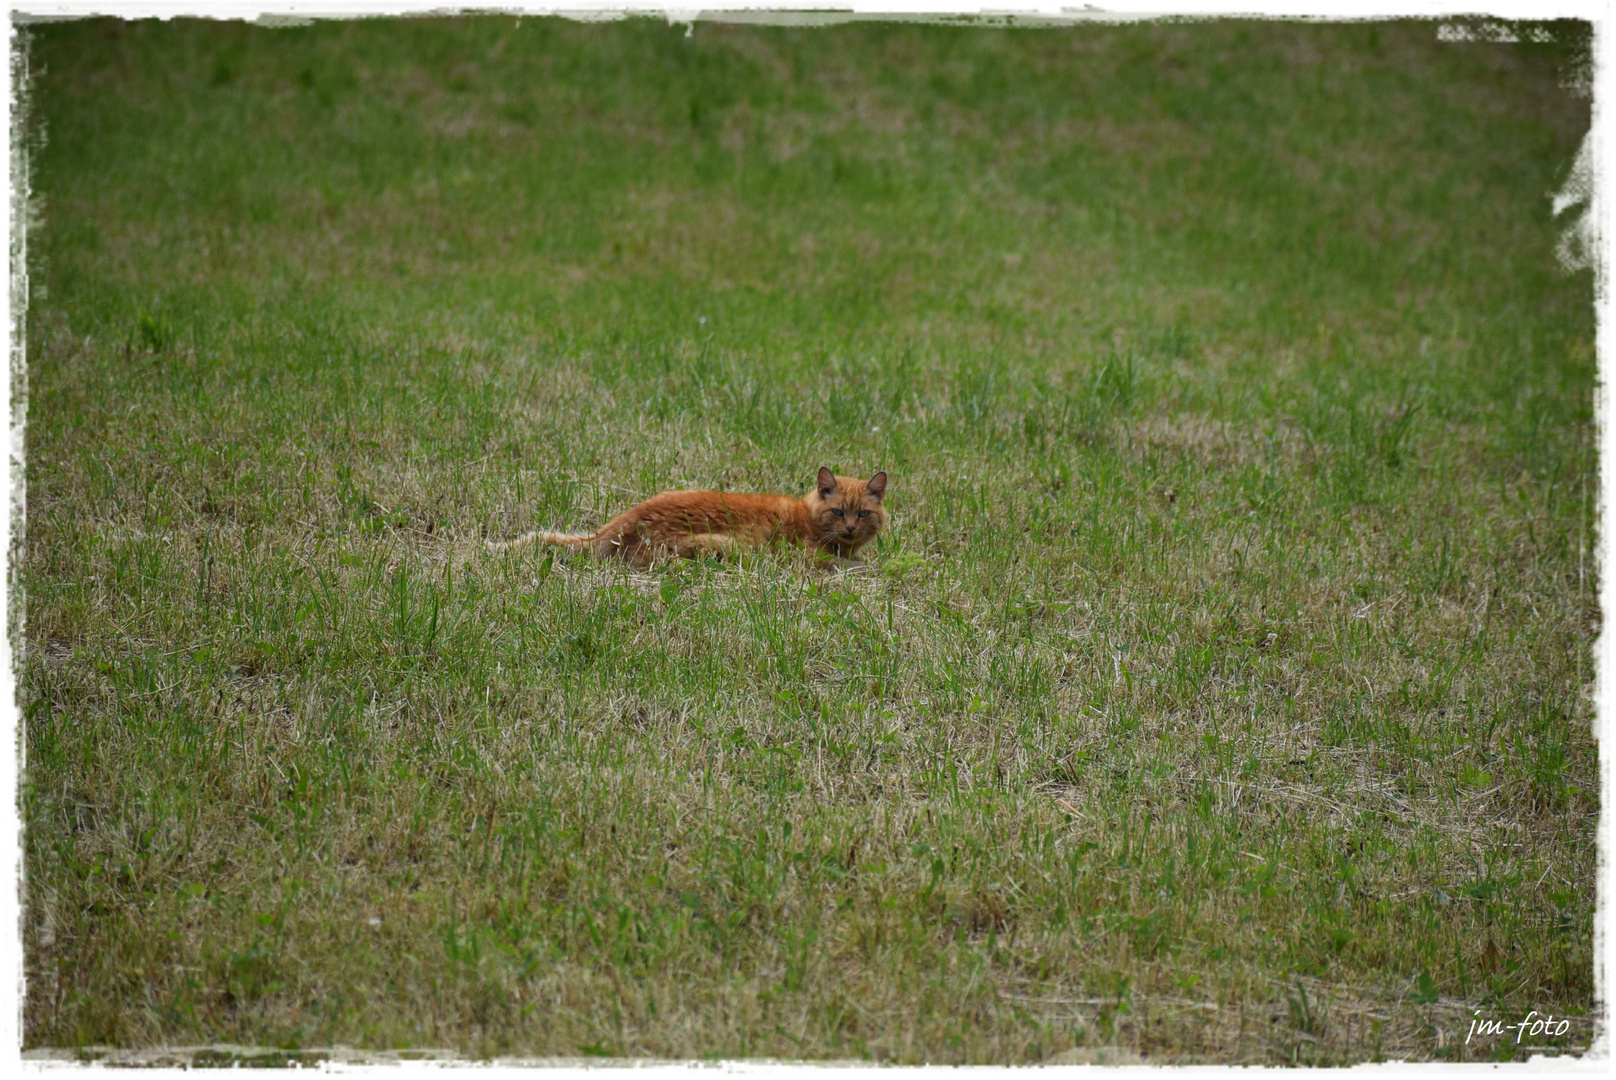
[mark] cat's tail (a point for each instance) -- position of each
(556, 539)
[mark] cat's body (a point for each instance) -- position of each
(838, 517)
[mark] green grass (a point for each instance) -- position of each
(1220, 691)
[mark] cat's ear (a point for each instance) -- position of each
(877, 486)
(827, 483)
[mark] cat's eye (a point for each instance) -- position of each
(864, 513)
(837, 512)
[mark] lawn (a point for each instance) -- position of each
(1221, 690)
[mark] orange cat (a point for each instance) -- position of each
(838, 517)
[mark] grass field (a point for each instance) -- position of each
(1220, 691)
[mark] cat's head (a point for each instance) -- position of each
(846, 512)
